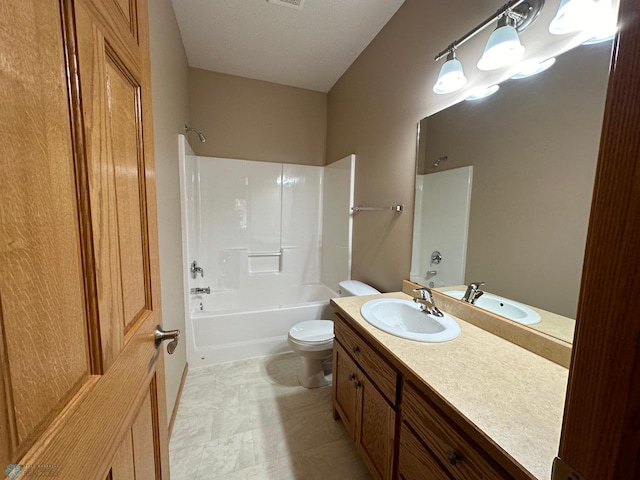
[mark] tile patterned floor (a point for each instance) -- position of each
(252, 420)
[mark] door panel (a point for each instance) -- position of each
(117, 182)
(143, 442)
(124, 129)
(43, 341)
(128, 9)
(123, 467)
(101, 182)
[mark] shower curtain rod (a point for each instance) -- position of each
(394, 208)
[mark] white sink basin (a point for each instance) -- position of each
(502, 306)
(404, 318)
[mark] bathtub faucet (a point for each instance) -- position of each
(200, 291)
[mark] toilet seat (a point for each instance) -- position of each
(312, 332)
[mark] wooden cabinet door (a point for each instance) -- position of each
(82, 388)
(375, 428)
(345, 395)
(415, 461)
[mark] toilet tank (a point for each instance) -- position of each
(354, 288)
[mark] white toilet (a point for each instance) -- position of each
(313, 340)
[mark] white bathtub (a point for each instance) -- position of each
(222, 334)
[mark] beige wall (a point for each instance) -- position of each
(373, 111)
(256, 120)
(534, 147)
(170, 90)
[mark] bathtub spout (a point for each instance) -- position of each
(200, 291)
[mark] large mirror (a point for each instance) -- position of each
(533, 148)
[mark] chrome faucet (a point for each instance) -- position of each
(195, 270)
(473, 293)
(200, 291)
(426, 302)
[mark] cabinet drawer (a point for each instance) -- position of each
(451, 447)
(415, 461)
(381, 373)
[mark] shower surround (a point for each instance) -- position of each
(255, 229)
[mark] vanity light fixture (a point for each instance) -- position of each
(482, 92)
(533, 67)
(503, 47)
(576, 15)
(451, 77)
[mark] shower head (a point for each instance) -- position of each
(197, 132)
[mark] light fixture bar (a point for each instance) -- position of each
(522, 21)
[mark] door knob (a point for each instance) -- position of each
(162, 335)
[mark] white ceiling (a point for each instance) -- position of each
(309, 48)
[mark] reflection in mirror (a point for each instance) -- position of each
(533, 147)
(438, 254)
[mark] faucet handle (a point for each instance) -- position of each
(425, 293)
(475, 285)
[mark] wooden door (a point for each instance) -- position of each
(601, 428)
(82, 388)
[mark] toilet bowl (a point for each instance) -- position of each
(313, 340)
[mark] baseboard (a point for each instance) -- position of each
(178, 397)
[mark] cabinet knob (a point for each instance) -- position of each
(453, 457)
(357, 385)
(355, 349)
(352, 376)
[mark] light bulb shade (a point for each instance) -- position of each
(606, 26)
(482, 92)
(503, 48)
(451, 77)
(533, 67)
(575, 15)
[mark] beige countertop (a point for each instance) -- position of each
(514, 396)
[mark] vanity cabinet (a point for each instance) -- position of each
(365, 398)
(403, 428)
(431, 442)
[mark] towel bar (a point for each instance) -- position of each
(394, 208)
